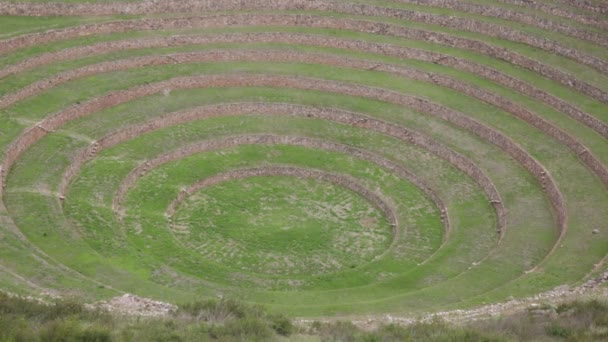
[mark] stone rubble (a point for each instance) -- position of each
(133, 305)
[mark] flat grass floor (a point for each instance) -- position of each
(281, 225)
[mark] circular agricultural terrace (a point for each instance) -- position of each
(318, 157)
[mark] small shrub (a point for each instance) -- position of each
(15, 329)
(218, 311)
(340, 331)
(59, 331)
(557, 331)
(282, 325)
(64, 308)
(246, 329)
(154, 330)
(94, 334)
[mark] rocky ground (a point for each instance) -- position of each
(133, 305)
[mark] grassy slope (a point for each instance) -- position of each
(26, 182)
(549, 155)
(122, 110)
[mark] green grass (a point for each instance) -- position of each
(294, 245)
(420, 228)
(279, 225)
(585, 104)
(582, 72)
(285, 157)
(182, 100)
(197, 132)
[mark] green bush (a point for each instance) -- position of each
(282, 325)
(218, 311)
(15, 329)
(154, 330)
(72, 330)
(557, 331)
(246, 329)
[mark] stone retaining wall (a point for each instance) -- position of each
(200, 113)
(266, 139)
(560, 12)
(511, 15)
(189, 6)
(460, 120)
(317, 22)
(375, 198)
(598, 7)
(290, 171)
(513, 83)
(115, 98)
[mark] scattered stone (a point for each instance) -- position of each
(595, 231)
(129, 304)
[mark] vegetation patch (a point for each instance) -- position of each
(282, 225)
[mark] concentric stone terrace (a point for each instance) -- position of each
(319, 157)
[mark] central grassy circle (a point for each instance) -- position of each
(282, 225)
